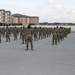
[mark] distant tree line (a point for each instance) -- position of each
(57, 23)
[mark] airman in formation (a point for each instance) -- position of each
(15, 33)
(29, 37)
(23, 35)
(35, 32)
(7, 36)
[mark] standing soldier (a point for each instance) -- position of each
(7, 36)
(40, 33)
(29, 37)
(35, 34)
(3, 32)
(15, 33)
(54, 37)
(24, 36)
(21, 29)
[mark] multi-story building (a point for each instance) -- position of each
(8, 17)
(5, 17)
(24, 19)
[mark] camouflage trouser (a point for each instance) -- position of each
(23, 39)
(15, 36)
(29, 40)
(35, 38)
(3, 35)
(58, 39)
(61, 38)
(40, 36)
(54, 40)
(7, 38)
(20, 35)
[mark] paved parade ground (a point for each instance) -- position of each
(45, 59)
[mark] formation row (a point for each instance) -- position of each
(29, 34)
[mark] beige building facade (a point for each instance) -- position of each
(34, 20)
(19, 19)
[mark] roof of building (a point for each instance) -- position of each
(34, 17)
(2, 10)
(19, 15)
(8, 11)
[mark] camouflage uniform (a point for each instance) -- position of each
(54, 37)
(3, 32)
(7, 36)
(24, 36)
(15, 33)
(35, 34)
(21, 32)
(29, 38)
(40, 33)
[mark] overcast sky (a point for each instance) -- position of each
(47, 10)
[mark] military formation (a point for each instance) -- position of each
(30, 34)
(58, 34)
